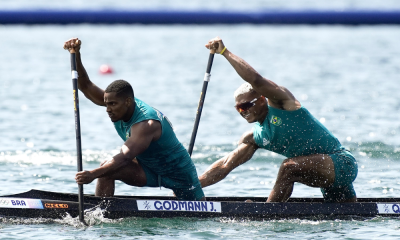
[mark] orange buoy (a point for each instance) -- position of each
(105, 69)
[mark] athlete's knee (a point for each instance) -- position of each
(289, 168)
(288, 165)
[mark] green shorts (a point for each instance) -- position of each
(346, 170)
(184, 182)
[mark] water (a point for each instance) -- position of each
(348, 77)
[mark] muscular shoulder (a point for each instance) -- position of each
(289, 102)
(153, 124)
(247, 138)
(147, 127)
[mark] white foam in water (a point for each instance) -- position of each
(38, 157)
(10, 220)
(94, 216)
(48, 157)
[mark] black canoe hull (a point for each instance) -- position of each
(35, 204)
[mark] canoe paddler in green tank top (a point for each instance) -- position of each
(151, 156)
(314, 157)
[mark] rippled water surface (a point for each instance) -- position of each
(348, 77)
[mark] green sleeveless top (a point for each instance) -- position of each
(163, 156)
(294, 133)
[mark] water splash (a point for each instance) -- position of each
(93, 217)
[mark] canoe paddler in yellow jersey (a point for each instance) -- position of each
(151, 156)
(314, 157)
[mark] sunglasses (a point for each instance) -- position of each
(242, 107)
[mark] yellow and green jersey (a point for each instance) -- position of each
(294, 133)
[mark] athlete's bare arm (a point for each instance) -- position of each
(221, 168)
(91, 91)
(142, 134)
(278, 96)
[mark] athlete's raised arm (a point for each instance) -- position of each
(221, 168)
(278, 96)
(91, 91)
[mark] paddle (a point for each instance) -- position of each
(77, 130)
(202, 97)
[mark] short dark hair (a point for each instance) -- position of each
(122, 88)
